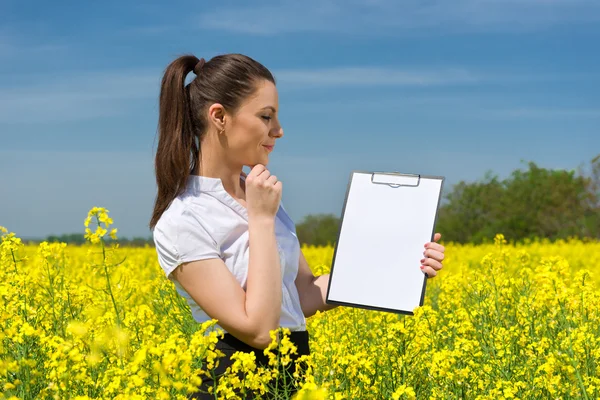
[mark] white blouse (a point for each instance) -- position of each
(206, 222)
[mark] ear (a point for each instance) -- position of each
(216, 116)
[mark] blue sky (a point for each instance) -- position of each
(451, 88)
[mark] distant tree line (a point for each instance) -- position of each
(534, 203)
(78, 238)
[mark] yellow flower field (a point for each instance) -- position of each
(499, 321)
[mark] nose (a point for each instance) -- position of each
(277, 132)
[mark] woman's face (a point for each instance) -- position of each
(251, 133)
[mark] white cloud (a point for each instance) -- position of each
(392, 17)
(546, 113)
(77, 96)
(460, 106)
(376, 76)
(14, 48)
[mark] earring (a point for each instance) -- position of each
(222, 132)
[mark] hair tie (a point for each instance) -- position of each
(199, 66)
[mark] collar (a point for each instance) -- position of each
(199, 183)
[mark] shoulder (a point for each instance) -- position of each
(182, 235)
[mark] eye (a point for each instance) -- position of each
(266, 117)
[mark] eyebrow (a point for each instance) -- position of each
(271, 107)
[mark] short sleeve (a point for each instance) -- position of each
(183, 239)
(288, 220)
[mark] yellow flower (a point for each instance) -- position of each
(499, 239)
(403, 390)
(77, 329)
(533, 313)
(104, 222)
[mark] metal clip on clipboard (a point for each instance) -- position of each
(396, 185)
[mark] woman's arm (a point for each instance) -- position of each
(248, 315)
(311, 289)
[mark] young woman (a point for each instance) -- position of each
(222, 237)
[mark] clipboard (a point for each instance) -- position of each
(386, 220)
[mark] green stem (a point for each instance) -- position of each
(51, 292)
(112, 297)
(108, 286)
(12, 253)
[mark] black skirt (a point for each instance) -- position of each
(230, 344)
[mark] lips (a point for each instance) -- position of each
(270, 148)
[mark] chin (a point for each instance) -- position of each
(256, 161)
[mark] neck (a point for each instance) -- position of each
(214, 167)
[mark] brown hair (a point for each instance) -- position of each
(227, 79)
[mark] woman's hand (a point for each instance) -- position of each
(263, 193)
(433, 257)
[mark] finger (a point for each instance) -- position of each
(264, 175)
(435, 246)
(437, 237)
(272, 179)
(435, 264)
(429, 271)
(437, 255)
(256, 170)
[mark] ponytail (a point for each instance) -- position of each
(177, 150)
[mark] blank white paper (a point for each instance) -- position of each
(380, 244)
